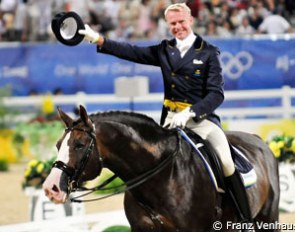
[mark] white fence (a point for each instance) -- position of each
(96, 222)
(284, 110)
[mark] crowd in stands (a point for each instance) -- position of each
(30, 20)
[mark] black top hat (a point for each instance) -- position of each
(65, 26)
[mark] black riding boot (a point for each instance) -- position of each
(238, 194)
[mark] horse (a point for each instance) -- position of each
(176, 193)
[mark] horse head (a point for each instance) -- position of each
(78, 158)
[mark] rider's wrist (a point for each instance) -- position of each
(96, 40)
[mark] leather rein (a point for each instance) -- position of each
(74, 174)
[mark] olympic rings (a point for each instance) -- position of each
(234, 66)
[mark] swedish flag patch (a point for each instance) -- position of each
(197, 73)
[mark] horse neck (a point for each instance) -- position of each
(128, 154)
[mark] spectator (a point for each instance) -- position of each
(225, 30)
(29, 20)
(245, 28)
(211, 29)
(195, 6)
(255, 18)
(235, 18)
(21, 21)
(111, 8)
(2, 27)
(144, 23)
(275, 24)
(82, 8)
(8, 6)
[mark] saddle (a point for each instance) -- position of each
(213, 163)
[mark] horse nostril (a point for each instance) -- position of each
(46, 192)
(55, 188)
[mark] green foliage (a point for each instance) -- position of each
(117, 229)
(6, 113)
(111, 187)
(42, 136)
(3, 165)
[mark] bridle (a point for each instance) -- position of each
(75, 174)
(72, 173)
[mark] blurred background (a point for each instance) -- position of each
(37, 74)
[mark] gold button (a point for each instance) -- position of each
(173, 74)
(185, 100)
(172, 98)
(173, 86)
(187, 77)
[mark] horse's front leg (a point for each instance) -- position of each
(140, 219)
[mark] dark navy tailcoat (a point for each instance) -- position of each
(195, 79)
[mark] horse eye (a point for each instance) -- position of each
(78, 146)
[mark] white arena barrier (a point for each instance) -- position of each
(96, 222)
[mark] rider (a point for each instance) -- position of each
(193, 84)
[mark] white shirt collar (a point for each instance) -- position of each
(189, 40)
(184, 45)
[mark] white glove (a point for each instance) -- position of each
(180, 119)
(90, 35)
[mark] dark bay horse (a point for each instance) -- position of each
(180, 197)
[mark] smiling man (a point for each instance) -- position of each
(193, 85)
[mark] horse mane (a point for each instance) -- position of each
(143, 124)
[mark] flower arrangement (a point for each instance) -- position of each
(36, 172)
(283, 148)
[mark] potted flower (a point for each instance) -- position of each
(283, 148)
(36, 172)
(40, 207)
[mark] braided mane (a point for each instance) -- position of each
(124, 117)
(144, 125)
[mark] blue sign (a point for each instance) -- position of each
(247, 64)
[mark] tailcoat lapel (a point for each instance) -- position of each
(173, 54)
(189, 56)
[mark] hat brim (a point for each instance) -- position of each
(65, 26)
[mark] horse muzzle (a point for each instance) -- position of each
(52, 187)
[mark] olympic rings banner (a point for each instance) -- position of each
(247, 64)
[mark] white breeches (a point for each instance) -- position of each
(215, 135)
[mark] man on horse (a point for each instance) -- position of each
(193, 84)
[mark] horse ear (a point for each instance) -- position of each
(84, 116)
(68, 121)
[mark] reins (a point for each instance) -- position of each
(131, 183)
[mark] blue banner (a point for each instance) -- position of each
(247, 64)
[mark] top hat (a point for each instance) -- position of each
(65, 26)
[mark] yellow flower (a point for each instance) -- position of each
(7, 151)
(33, 163)
(27, 172)
(47, 105)
(275, 148)
(40, 168)
(280, 144)
(293, 146)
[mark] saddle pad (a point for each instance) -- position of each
(244, 167)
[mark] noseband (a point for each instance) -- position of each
(75, 174)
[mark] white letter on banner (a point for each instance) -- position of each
(62, 70)
(287, 186)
